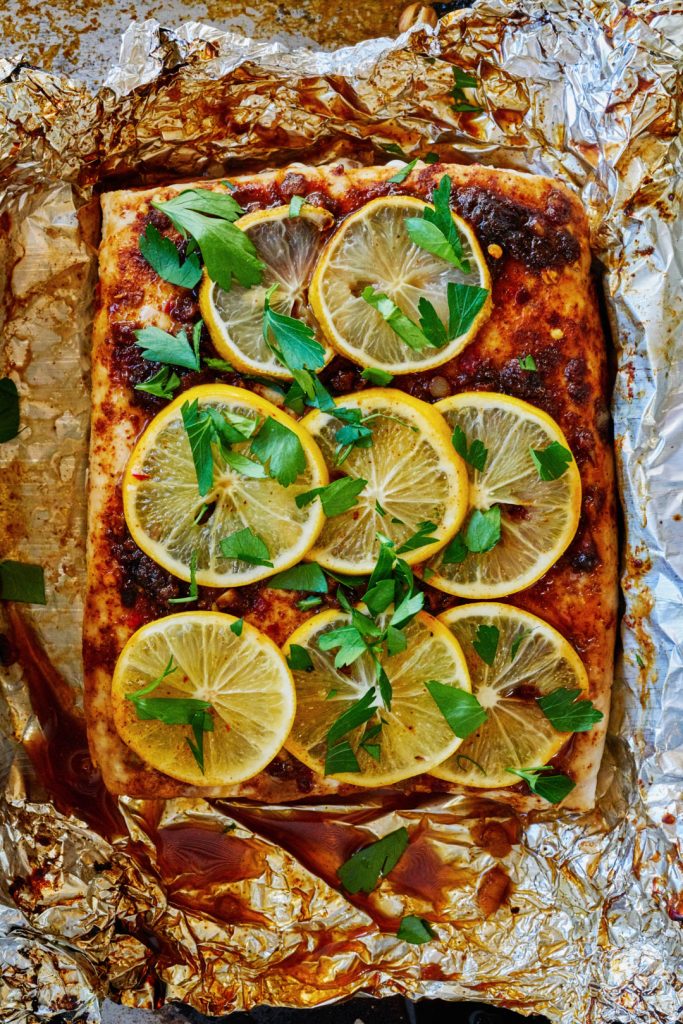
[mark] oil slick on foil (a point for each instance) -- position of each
(226, 906)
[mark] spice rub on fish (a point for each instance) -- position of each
(534, 235)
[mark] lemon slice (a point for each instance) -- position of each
(289, 248)
(413, 474)
(171, 521)
(372, 247)
(414, 737)
(244, 678)
(531, 660)
(538, 518)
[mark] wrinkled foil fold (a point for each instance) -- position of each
(589, 929)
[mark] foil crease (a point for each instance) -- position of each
(227, 906)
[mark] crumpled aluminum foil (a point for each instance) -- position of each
(226, 906)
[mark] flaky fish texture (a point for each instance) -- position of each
(534, 235)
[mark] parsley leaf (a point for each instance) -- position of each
(200, 431)
(461, 81)
(415, 930)
(363, 870)
(476, 454)
(161, 347)
(219, 364)
(293, 344)
(455, 552)
(407, 609)
(298, 659)
(295, 204)
(428, 236)
(244, 465)
(305, 576)
(350, 642)
(162, 384)
(483, 530)
(360, 712)
(461, 709)
(192, 593)
(340, 758)
(9, 409)
(208, 217)
(308, 602)
(246, 546)
(379, 377)
(551, 462)
(162, 255)
(421, 537)
(527, 363)
(378, 598)
(464, 303)
(402, 173)
(21, 581)
(178, 711)
(280, 450)
(337, 497)
(567, 714)
(517, 642)
(396, 318)
(553, 788)
(395, 149)
(486, 643)
(237, 626)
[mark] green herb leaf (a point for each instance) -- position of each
(422, 536)
(293, 344)
(230, 427)
(527, 363)
(178, 711)
(517, 642)
(161, 347)
(246, 546)
(567, 714)
(415, 930)
(639, 661)
(378, 377)
(298, 659)
(396, 318)
(486, 643)
(200, 432)
(9, 409)
(393, 147)
(431, 158)
(427, 235)
(360, 712)
(455, 552)
(464, 303)
(244, 465)
(162, 384)
(551, 462)
(363, 870)
(207, 217)
(378, 598)
(461, 81)
(305, 576)
(171, 667)
(483, 530)
(407, 609)
(476, 454)
(337, 497)
(21, 581)
(461, 709)
(295, 204)
(350, 642)
(308, 602)
(396, 640)
(553, 788)
(219, 364)
(403, 173)
(340, 758)
(162, 255)
(431, 325)
(237, 626)
(280, 450)
(193, 592)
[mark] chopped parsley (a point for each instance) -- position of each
(298, 659)
(463, 80)
(336, 498)
(364, 869)
(477, 452)
(461, 709)
(305, 576)
(163, 384)
(246, 546)
(567, 714)
(279, 449)
(379, 377)
(415, 930)
(192, 593)
(22, 581)
(423, 535)
(551, 462)
(527, 363)
(402, 173)
(436, 231)
(483, 530)
(237, 626)
(293, 344)
(162, 255)
(173, 349)
(553, 788)
(485, 643)
(295, 205)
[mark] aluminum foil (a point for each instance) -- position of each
(226, 906)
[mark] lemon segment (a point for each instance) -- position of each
(538, 517)
(288, 247)
(372, 247)
(244, 678)
(516, 733)
(414, 737)
(171, 521)
(414, 476)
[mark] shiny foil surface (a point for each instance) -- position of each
(224, 906)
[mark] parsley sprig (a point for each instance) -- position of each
(163, 256)
(553, 788)
(436, 231)
(364, 869)
(293, 344)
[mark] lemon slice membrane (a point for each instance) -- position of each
(414, 737)
(538, 517)
(372, 247)
(413, 476)
(531, 660)
(164, 509)
(288, 247)
(244, 678)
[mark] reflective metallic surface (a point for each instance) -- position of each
(226, 906)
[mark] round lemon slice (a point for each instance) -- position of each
(238, 687)
(174, 524)
(289, 247)
(415, 479)
(531, 659)
(414, 735)
(538, 518)
(372, 247)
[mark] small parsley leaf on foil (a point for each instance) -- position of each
(22, 581)
(364, 869)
